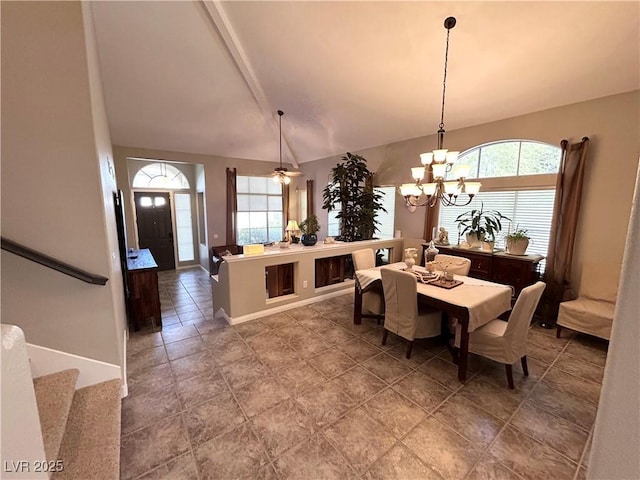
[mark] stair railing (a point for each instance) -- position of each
(50, 262)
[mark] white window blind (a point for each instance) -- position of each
(527, 209)
(386, 219)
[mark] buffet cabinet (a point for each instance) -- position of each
(143, 294)
(500, 267)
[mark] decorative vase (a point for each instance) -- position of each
(309, 239)
(517, 246)
(410, 255)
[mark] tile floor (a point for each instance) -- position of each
(306, 394)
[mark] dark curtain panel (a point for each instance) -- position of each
(310, 208)
(564, 225)
(285, 208)
(430, 214)
(232, 206)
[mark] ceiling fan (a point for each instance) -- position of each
(281, 174)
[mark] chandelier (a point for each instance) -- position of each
(439, 162)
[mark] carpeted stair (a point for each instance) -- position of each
(81, 428)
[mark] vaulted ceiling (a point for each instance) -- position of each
(207, 77)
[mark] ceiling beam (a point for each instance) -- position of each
(220, 22)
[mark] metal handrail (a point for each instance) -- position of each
(50, 262)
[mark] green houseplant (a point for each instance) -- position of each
(309, 228)
(480, 225)
(351, 191)
(517, 241)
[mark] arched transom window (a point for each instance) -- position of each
(160, 175)
(518, 179)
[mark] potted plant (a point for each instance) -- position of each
(480, 226)
(309, 228)
(351, 191)
(517, 241)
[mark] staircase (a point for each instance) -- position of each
(80, 429)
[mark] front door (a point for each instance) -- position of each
(153, 211)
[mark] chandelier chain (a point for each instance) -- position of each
(444, 79)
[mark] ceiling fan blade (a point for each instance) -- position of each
(293, 174)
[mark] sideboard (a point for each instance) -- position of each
(144, 297)
(519, 271)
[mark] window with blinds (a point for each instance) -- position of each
(386, 219)
(259, 217)
(525, 193)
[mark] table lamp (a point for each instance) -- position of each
(292, 228)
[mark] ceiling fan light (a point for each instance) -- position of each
(286, 180)
(276, 179)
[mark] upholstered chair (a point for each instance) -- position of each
(453, 264)
(592, 312)
(506, 342)
(373, 300)
(402, 315)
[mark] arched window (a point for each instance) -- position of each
(161, 176)
(518, 179)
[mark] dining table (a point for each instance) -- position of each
(472, 301)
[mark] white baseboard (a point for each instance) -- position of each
(270, 311)
(45, 360)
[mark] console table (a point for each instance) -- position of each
(142, 280)
(519, 271)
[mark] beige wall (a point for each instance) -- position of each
(55, 151)
(613, 125)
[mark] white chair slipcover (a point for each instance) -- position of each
(453, 264)
(402, 315)
(372, 302)
(506, 342)
(592, 312)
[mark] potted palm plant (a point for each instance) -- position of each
(518, 241)
(309, 228)
(352, 192)
(480, 226)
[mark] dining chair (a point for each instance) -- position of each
(453, 264)
(402, 315)
(373, 300)
(506, 341)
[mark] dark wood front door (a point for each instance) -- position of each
(153, 212)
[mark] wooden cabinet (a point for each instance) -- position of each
(499, 267)
(279, 280)
(142, 286)
(330, 270)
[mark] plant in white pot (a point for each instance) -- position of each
(481, 227)
(517, 241)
